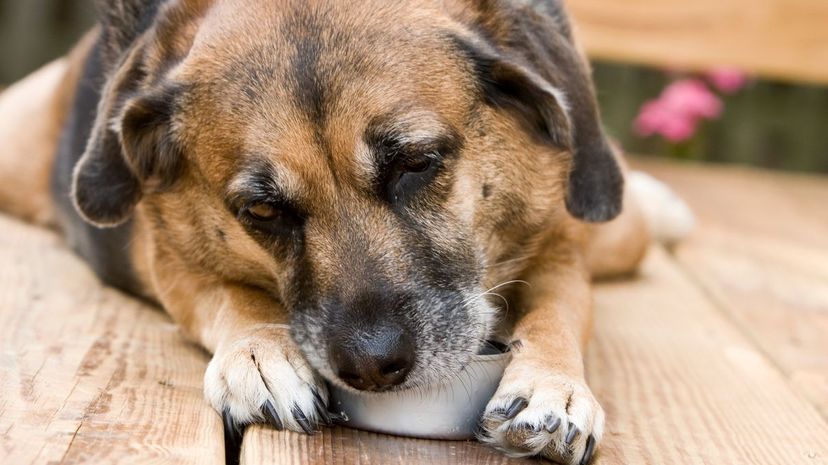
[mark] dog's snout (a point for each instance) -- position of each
(373, 360)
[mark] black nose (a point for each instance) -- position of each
(376, 359)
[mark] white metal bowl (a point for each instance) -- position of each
(446, 411)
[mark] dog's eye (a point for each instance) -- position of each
(263, 212)
(419, 165)
(411, 174)
(271, 218)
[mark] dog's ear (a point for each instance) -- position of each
(515, 88)
(131, 149)
(121, 23)
(535, 44)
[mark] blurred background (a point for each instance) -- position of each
(723, 113)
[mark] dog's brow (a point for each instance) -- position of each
(402, 130)
(261, 181)
(410, 131)
(410, 128)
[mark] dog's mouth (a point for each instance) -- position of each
(420, 381)
(386, 351)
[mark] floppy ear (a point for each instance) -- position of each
(148, 144)
(596, 185)
(510, 86)
(131, 149)
(535, 41)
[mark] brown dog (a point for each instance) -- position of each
(333, 189)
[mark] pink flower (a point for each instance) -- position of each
(679, 128)
(675, 115)
(691, 98)
(727, 80)
(650, 118)
(658, 118)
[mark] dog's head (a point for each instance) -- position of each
(367, 164)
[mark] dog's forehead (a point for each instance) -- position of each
(300, 85)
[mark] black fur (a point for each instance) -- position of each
(119, 166)
(555, 10)
(147, 143)
(121, 22)
(309, 88)
(103, 186)
(115, 172)
(104, 249)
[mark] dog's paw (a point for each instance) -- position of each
(554, 416)
(263, 378)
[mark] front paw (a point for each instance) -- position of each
(552, 415)
(263, 378)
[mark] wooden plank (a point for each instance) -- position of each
(88, 375)
(761, 251)
(344, 446)
(681, 384)
(776, 38)
(786, 207)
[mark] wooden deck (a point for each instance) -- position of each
(716, 354)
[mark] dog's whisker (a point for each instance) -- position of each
(508, 262)
(490, 290)
(486, 294)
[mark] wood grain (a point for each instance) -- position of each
(761, 252)
(682, 384)
(678, 380)
(776, 38)
(88, 375)
(343, 446)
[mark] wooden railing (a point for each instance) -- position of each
(785, 39)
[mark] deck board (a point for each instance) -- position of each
(682, 384)
(761, 252)
(88, 375)
(344, 446)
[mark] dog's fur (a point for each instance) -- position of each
(423, 156)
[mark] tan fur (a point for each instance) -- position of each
(196, 259)
(615, 249)
(32, 113)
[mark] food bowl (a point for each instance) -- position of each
(446, 411)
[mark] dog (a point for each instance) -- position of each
(360, 193)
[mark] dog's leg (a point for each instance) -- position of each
(30, 123)
(543, 405)
(616, 248)
(652, 212)
(32, 114)
(257, 373)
